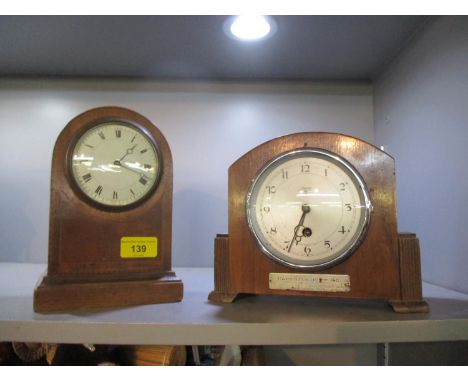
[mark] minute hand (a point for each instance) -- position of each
(119, 163)
(305, 210)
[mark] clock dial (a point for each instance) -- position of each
(308, 208)
(115, 164)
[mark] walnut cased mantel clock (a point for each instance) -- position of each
(110, 222)
(313, 214)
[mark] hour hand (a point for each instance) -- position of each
(129, 151)
(298, 237)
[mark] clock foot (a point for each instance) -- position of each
(221, 297)
(400, 306)
(411, 299)
(221, 292)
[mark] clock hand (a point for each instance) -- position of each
(120, 164)
(129, 151)
(305, 210)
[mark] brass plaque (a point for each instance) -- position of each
(310, 282)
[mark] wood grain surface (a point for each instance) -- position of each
(374, 268)
(84, 238)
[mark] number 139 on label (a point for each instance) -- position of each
(138, 247)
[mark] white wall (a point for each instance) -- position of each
(207, 125)
(421, 117)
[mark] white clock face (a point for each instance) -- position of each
(308, 208)
(115, 164)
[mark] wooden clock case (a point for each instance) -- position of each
(386, 266)
(85, 270)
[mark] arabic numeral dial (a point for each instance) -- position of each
(308, 208)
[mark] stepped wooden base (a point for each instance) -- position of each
(70, 297)
(398, 306)
(410, 298)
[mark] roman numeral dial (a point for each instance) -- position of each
(115, 164)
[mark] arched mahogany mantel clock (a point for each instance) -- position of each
(110, 215)
(313, 214)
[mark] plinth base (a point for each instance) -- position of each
(68, 297)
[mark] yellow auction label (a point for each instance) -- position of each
(132, 247)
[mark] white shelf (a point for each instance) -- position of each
(250, 320)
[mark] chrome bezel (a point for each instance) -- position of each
(327, 155)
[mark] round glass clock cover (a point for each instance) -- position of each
(308, 208)
(115, 164)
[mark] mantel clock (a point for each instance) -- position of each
(110, 219)
(313, 214)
